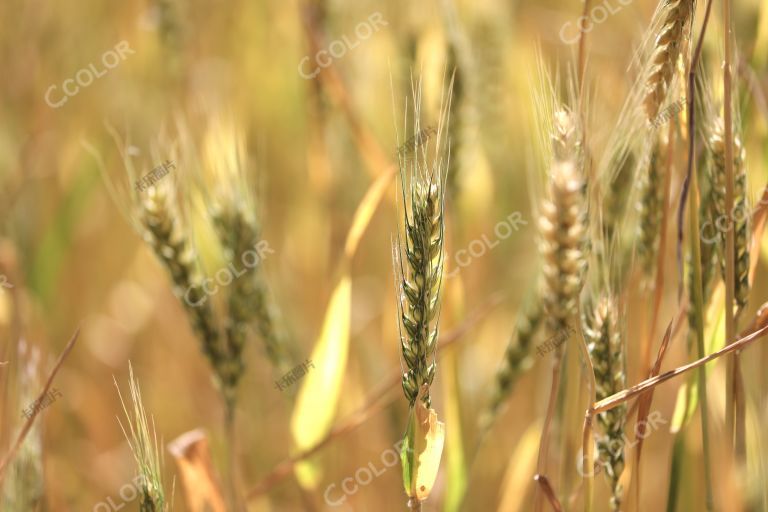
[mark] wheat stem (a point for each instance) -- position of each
(698, 305)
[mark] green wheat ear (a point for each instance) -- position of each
(144, 447)
(606, 349)
(517, 356)
(420, 281)
(740, 215)
(249, 297)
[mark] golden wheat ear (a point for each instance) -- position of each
(675, 29)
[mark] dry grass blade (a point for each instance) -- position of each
(28, 424)
(648, 384)
(549, 492)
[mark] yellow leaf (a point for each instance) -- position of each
(365, 211)
(319, 394)
(427, 437)
(518, 479)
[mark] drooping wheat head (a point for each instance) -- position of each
(234, 215)
(675, 27)
(144, 447)
(738, 219)
(164, 233)
(606, 350)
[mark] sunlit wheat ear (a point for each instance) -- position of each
(650, 207)
(740, 215)
(562, 228)
(604, 342)
(144, 447)
(675, 27)
(517, 357)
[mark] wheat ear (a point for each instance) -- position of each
(650, 207)
(739, 218)
(677, 18)
(420, 280)
(170, 243)
(144, 447)
(249, 298)
(606, 351)
(517, 357)
(562, 227)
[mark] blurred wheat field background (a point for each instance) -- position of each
(366, 256)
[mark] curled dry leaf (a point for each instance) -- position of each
(193, 457)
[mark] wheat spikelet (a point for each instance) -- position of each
(516, 357)
(566, 137)
(600, 324)
(677, 17)
(650, 207)
(739, 218)
(562, 227)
